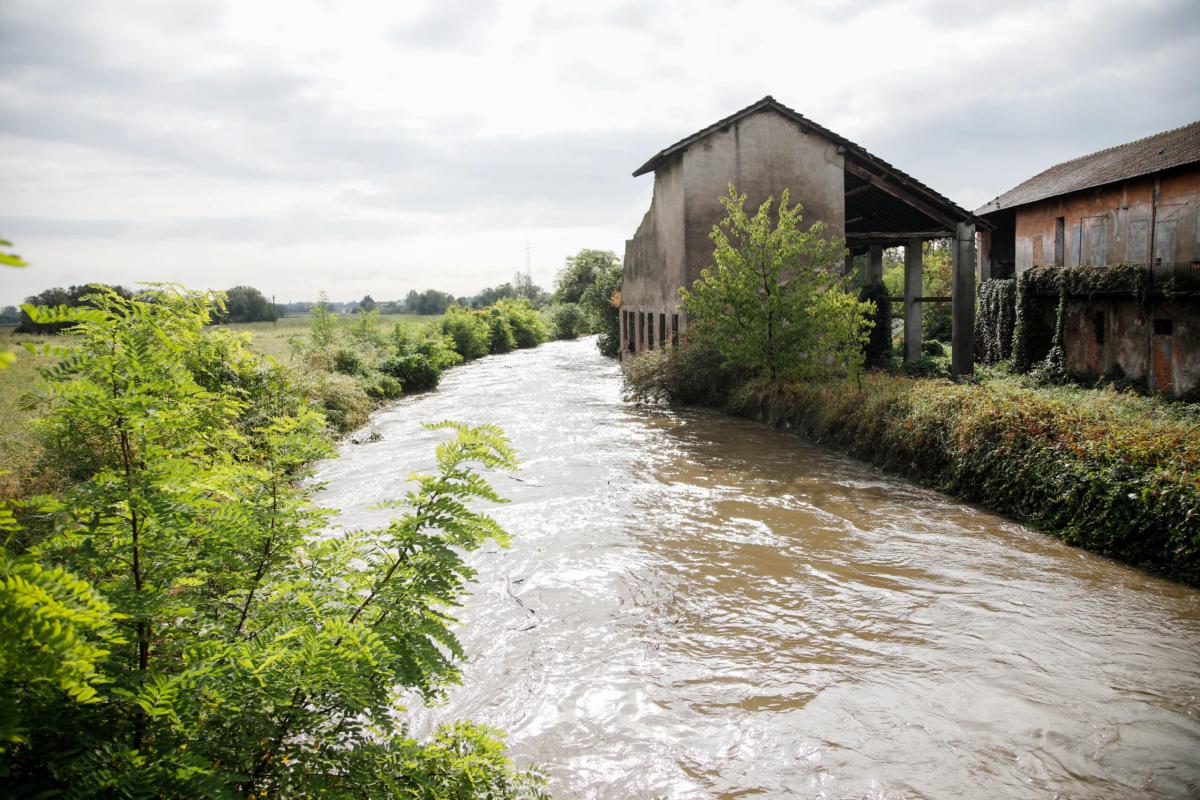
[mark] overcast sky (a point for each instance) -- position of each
(377, 147)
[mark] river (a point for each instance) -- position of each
(701, 607)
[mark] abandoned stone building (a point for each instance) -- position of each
(762, 150)
(1133, 208)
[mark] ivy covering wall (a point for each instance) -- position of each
(996, 319)
(1039, 289)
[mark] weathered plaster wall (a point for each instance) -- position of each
(654, 257)
(762, 155)
(1111, 224)
(1118, 336)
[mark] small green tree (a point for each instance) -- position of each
(601, 302)
(771, 304)
(182, 623)
(323, 328)
(580, 272)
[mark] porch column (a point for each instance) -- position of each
(875, 264)
(962, 331)
(914, 268)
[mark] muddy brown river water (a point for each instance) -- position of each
(700, 607)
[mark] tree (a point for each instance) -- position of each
(580, 272)
(367, 303)
(56, 297)
(601, 302)
(429, 302)
(246, 304)
(771, 303)
(201, 639)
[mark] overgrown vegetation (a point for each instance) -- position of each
(587, 299)
(996, 320)
(171, 624)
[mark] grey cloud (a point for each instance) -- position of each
(447, 24)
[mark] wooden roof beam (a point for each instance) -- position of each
(889, 235)
(900, 194)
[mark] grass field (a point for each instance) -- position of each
(19, 447)
(273, 338)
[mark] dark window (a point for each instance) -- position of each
(641, 333)
(662, 330)
(1060, 240)
(1164, 327)
(650, 331)
(1098, 326)
(675, 330)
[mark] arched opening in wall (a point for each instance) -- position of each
(674, 330)
(650, 331)
(662, 330)
(641, 332)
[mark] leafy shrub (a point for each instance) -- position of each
(195, 637)
(567, 321)
(347, 361)
(527, 326)
(471, 334)
(343, 400)
(420, 356)
(685, 375)
(381, 386)
(500, 333)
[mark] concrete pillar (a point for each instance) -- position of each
(875, 264)
(914, 268)
(962, 331)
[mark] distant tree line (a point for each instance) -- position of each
(582, 303)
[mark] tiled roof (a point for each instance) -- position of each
(853, 150)
(1173, 148)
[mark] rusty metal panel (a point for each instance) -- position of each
(1137, 251)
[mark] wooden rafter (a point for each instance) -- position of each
(900, 194)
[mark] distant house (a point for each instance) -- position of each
(762, 150)
(1134, 204)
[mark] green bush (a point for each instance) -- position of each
(471, 334)
(185, 622)
(567, 321)
(347, 361)
(343, 400)
(500, 333)
(526, 323)
(686, 375)
(420, 356)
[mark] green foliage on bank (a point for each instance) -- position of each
(587, 299)
(179, 619)
(1113, 472)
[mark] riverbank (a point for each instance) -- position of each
(344, 366)
(1113, 472)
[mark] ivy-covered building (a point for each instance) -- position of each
(1133, 211)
